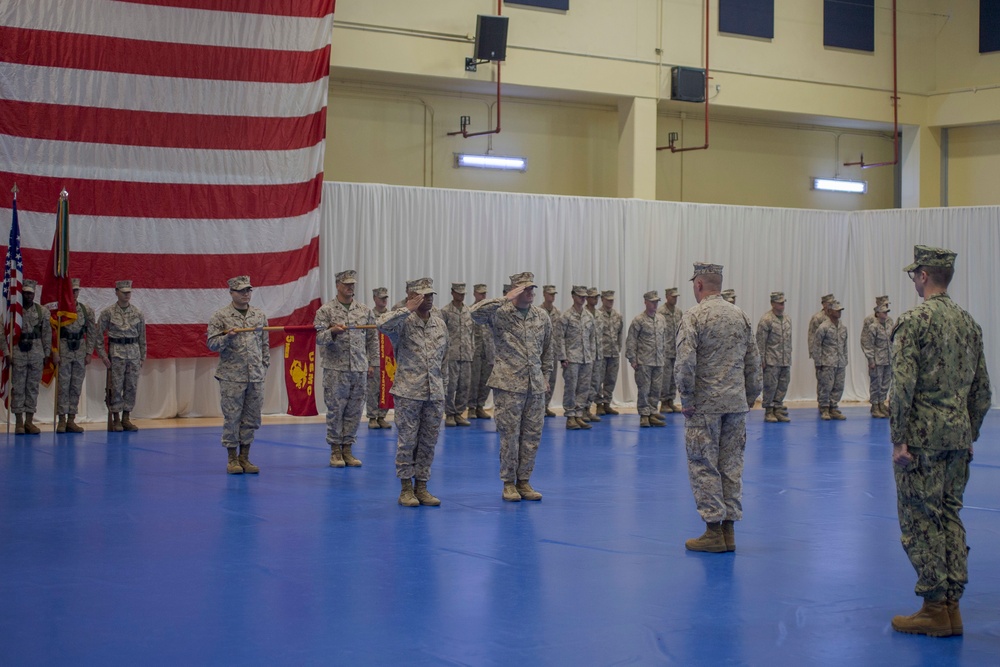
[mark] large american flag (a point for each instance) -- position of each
(13, 313)
(189, 135)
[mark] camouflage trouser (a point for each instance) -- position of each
(241, 404)
(344, 395)
(124, 381)
(647, 382)
(607, 379)
(596, 375)
(478, 391)
(552, 383)
(576, 388)
(928, 497)
(775, 386)
(374, 387)
(830, 385)
(72, 370)
(25, 374)
(878, 383)
(456, 395)
(715, 444)
(519, 418)
(417, 426)
(668, 385)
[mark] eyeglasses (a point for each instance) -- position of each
(244, 291)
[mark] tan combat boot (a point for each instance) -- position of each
(875, 411)
(549, 413)
(770, 417)
(406, 497)
(644, 421)
(955, 616)
(666, 408)
(932, 620)
(599, 409)
(510, 493)
(571, 424)
(29, 424)
(525, 491)
(61, 424)
(423, 496)
(656, 420)
(729, 534)
(482, 414)
(460, 420)
(336, 457)
(824, 414)
(127, 423)
(233, 467)
(244, 460)
(19, 424)
(382, 423)
(593, 415)
(583, 423)
(836, 414)
(349, 459)
(608, 410)
(450, 420)
(584, 418)
(712, 541)
(72, 426)
(781, 414)
(373, 423)
(116, 422)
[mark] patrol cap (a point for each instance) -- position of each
(29, 285)
(421, 286)
(882, 300)
(479, 288)
(729, 295)
(123, 285)
(549, 289)
(458, 288)
(671, 291)
(506, 288)
(608, 294)
(651, 295)
(703, 268)
(380, 292)
(75, 282)
(925, 255)
(348, 277)
(239, 283)
(593, 291)
(579, 290)
(827, 298)
(523, 279)
(777, 297)
(882, 308)
(835, 305)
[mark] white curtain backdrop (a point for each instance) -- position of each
(391, 234)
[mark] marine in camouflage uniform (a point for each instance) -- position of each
(349, 357)
(593, 294)
(125, 326)
(375, 414)
(28, 360)
(672, 316)
(612, 329)
(645, 350)
(459, 358)
(817, 319)
(244, 358)
(774, 342)
(523, 336)
(941, 394)
(420, 342)
(76, 346)
(575, 337)
(483, 353)
(719, 378)
(829, 353)
(548, 305)
(875, 332)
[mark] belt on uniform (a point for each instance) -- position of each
(122, 341)
(72, 335)
(30, 336)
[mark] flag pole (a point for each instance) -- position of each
(60, 268)
(10, 343)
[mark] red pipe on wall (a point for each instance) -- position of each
(895, 108)
(463, 132)
(670, 146)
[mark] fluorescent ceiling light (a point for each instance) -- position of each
(491, 162)
(840, 185)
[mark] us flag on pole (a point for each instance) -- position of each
(13, 311)
(191, 136)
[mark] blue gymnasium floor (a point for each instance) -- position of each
(137, 549)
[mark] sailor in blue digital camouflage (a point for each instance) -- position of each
(548, 305)
(483, 352)
(672, 316)
(719, 378)
(829, 353)
(875, 332)
(28, 360)
(774, 342)
(459, 357)
(349, 356)
(77, 341)
(940, 396)
(523, 336)
(575, 337)
(817, 319)
(593, 294)
(375, 414)
(612, 330)
(420, 342)
(125, 326)
(646, 352)
(244, 357)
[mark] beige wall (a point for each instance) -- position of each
(974, 166)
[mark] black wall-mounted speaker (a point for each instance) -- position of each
(687, 84)
(491, 37)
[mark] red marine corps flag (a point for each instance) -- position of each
(57, 288)
(300, 370)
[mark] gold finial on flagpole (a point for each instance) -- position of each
(14, 190)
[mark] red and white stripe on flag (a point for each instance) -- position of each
(190, 137)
